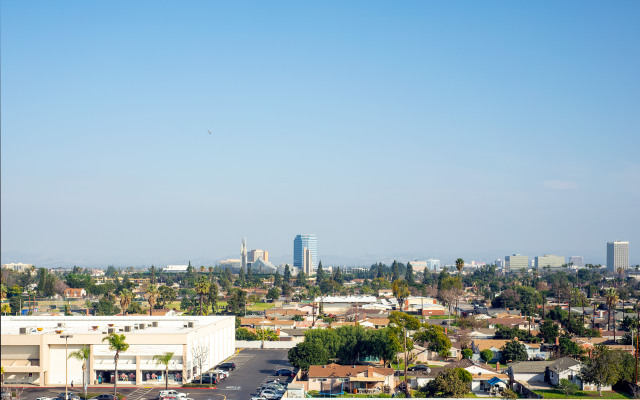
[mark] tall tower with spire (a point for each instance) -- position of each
(243, 253)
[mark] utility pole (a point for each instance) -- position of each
(66, 365)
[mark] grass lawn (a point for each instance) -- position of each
(580, 394)
(439, 317)
(260, 306)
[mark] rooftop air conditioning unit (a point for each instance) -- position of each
(111, 330)
(23, 331)
(127, 328)
(190, 324)
(141, 326)
(154, 324)
(60, 324)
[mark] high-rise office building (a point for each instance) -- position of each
(516, 261)
(433, 265)
(305, 253)
(549, 260)
(576, 261)
(254, 255)
(617, 255)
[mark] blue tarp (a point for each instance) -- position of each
(493, 381)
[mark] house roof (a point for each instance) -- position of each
(484, 344)
(466, 363)
(524, 367)
(563, 364)
(346, 371)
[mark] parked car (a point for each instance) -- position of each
(104, 396)
(6, 395)
(171, 393)
(227, 366)
(39, 398)
(270, 394)
(68, 396)
(419, 367)
(221, 373)
(285, 372)
(258, 398)
(206, 379)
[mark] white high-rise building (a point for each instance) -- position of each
(243, 254)
(549, 260)
(516, 261)
(577, 261)
(617, 255)
(433, 265)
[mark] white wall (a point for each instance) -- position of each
(56, 366)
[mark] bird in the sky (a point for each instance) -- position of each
(209, 132)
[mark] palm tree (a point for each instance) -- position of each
(459, 265)
(164, 359)
(202, 268)
(611, 296)
(152, 297)
(83, 355)
(126, 297)
(202, 288)
(116, 343)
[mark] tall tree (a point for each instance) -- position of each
(409, 277)
(287, 273)
(400, 291)
(164, 359)
(126, 297)
(395, 271)
(213, 297)
(611, 297)
(83, 355)
(152, 297)
(320, 275)
(202, 289)
(118, 344)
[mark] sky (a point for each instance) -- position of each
(407, 130)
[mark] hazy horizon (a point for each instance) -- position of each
(438, 130)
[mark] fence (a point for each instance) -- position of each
(257, 344)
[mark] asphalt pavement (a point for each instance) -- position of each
(253, 368)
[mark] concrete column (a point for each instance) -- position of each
(41, 368)
(91, 365)
(138, 371)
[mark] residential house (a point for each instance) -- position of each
(334, 379)
(534, 350)
(568, 368)
(72, 293)
(529, 372)
(485, 379)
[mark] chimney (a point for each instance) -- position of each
(498, 366)
(515, 338)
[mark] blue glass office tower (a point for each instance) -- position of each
(309, 242)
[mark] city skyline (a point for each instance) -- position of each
(415, 130)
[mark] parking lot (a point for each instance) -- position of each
(253, 368)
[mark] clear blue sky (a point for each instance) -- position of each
(389, 129)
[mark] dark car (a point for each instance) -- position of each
(227, 366)
(105, 396)
(284, 372)
(419, 367)
(206, 380)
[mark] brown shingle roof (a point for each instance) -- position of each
(345, 371)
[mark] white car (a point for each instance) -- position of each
(172, 393)
(221, 373)
(45, 398)
(270, 394)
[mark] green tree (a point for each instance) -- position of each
(152, 297)
(467, 353)
(246, 334)
(277, 279)
(486, 355)
(287, 273)
(549, 331)
(165, 359)
(237, 302)
(435, 338)
(514, 351)
(83, 355)
(447, 384)
(603, 368)
(568, 387)
(273, 293)
(301, 279)
(320, 274)
(308, 353)
(213, 297)
(400, 291)
(409, 276)
(118, 344)
(202, 289)
(167, 294)
(126, 297)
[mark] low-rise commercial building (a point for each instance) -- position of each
(34, 350)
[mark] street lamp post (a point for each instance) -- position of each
(66, 365)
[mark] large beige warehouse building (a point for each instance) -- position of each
(34, 352)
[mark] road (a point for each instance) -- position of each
(253, 368)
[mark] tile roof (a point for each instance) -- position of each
(345, 371)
